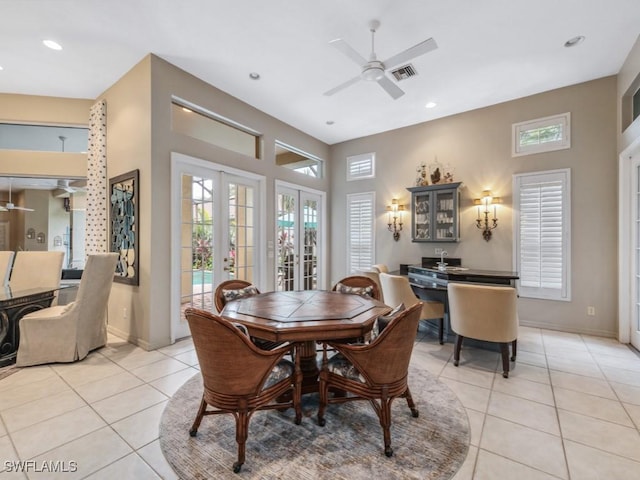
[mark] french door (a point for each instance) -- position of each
(635, 287)
(299, 251)
(214, 236)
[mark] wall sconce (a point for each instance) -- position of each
(40, 237)
(31, 234)
(394, 218)
(485, 224)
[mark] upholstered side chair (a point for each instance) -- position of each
(487, 313)
(66, 333)
(376, 371)
(6, 262)
(239, 378)
(36, 269)
(396, 290)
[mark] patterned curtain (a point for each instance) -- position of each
(97, 228)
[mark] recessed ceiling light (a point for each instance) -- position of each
(572, 42)
(52, 45)
(329, 122)
(254, 76)
(430, 105)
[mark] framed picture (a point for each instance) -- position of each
(125, 226)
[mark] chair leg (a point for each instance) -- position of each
(456, 351)
(242, 427)
(504, 349)
(441, 330)
(514, 346)
(412, 406)
(324, 393)
(194, 428)
(385, 422)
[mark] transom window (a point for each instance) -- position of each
(361, 166)
(541, 135)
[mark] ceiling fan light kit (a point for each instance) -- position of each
(374, 70)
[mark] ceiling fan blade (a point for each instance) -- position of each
(24, 209)
(410, 53)
(390, 87)
(345, 48)
(342, 86)
(3, 209)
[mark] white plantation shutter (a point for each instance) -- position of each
(360, 231)
(361, 166)
(542, 232)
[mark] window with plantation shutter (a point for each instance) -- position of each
(542, 231)
(361, 166)
(360, 231)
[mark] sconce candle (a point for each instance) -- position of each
(395, 212)
(485, 224)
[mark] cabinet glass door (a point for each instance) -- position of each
(444, 215)
(422, 217)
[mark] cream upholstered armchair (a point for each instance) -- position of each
(6, 260)
(380, 268)
(396, 290)
(66, 333)
(486, 313)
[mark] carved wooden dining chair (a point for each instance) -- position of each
(376, 371)
(487, 313)
(233, 290)
(396, 290)
(238, 377)
(359, 285)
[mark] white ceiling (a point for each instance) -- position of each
(490, 51)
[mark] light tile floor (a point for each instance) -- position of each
(570, 409)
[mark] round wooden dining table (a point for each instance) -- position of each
(304, 318)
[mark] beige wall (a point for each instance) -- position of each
(139, 136)
(477, 145)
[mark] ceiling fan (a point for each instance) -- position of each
(373, 69)
(7, 207)
(67, 187)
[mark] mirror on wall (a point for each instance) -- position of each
(45, 214)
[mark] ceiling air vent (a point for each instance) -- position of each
(404, 72)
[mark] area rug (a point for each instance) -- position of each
(349, 446)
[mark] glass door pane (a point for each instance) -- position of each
(286, 224)
(197, 246)
(240, 261)
(310, 214)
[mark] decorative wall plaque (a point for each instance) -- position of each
(125, 228)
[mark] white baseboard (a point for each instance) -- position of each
(564, 328)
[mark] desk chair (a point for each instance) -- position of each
(486, 313)
(396, 290)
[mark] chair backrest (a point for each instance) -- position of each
(375, 276)
(396, 290)
(483, 312)
(380, 268)
(230, 364)
(36, 269)
(358, 282)
(6, 261)
(233, 284)
(386, 359)
(92, 298)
